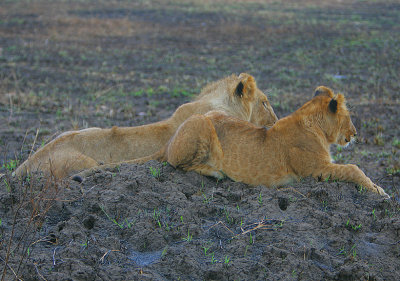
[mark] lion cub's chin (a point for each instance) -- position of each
(345, 144)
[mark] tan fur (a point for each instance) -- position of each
(77, 150)
(297, 146)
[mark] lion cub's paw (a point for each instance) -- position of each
(219, 175)
(85, 173)
(380, 191)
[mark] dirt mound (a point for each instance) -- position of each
(152, 222)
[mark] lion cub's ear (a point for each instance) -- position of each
(246, 86)
(333, 105)
(323, 91)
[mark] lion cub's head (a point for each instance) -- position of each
(336, 121)
(254, 101)
(239, 96)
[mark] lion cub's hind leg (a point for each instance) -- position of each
(64, 165)
(195, 147)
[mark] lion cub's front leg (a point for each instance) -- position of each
(350, 173)
(195, 147)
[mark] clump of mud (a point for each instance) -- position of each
(152, 222)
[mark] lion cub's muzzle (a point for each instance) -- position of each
(350, 138)
(351, 135)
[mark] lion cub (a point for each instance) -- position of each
(296, 146)
(73, 151)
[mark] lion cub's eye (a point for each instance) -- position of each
(265, 104)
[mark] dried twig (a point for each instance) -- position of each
(37, 270)
(258, 225)
(44, 239)
(23, 141)
(106, 254)
(54, 254)
(292, 189)
(16, 276)
(220, 222)
(34, 142)
(40, 206)
(11, 237)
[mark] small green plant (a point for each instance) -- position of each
(112, 219)
(11, 165)
(188, 238)
(84, 245)
(393, 170)
(378, 140)
(59, 113)
(342, 251)
(213, 259)
(167, 227)
(182, 219)
(383, 154)
(280, 224)
(205, 250)
(164, 252)
(389, 213)
(260, 200)
(228, 218)
(206, 199)
(150, 91)
(156, 217)
(155, 172)
(338, 158)
(251, 241)
(63, 54)
(353, 251)
(137, 93)
(373, 214)
(396, 143)
(324, 205)
(7, 185)
(226, 260)
(129, 224)
(354, 227)
(245, 250)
